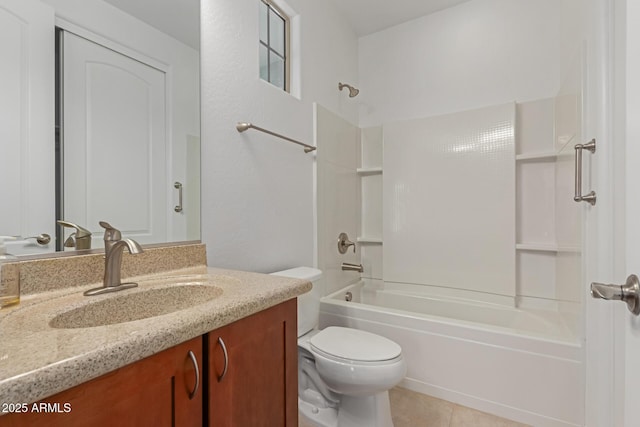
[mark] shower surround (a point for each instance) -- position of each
(471, 254)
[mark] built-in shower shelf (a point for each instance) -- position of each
(537, 156)
(546, 247)
(373, 240)
(369, 171)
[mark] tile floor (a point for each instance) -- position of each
(411, 409)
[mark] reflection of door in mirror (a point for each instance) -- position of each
(140, 38)
(130, 120)
(115, 141)
(26, 135)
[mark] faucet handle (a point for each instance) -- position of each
(111, 233)
(344, 243)
(80, 231)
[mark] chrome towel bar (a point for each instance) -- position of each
(242, 126)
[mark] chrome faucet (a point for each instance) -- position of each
(114, 245)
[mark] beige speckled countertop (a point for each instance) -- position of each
(37, 360)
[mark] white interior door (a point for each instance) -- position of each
(27, 155)
(625, 321)
(115, 142)
(613, 333)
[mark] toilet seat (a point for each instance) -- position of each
(346, 344)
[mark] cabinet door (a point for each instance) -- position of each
(259, 387)
(153, 392)
(27, 138)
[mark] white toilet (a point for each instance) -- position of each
(344, 374)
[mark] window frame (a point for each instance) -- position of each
(273, 8)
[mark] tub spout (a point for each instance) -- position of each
(352, 267)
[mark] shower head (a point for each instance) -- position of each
(352, 90)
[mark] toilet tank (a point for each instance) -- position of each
(309, 303)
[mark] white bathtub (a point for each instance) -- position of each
(523, 365)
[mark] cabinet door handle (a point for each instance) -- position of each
(226, 359)
(195, 366)
(591, 197)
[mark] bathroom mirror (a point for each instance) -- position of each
(127, 120)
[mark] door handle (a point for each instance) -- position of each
(591, 197)
(629, 293)
(178, 186)
(41, 239)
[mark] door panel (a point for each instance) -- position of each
(259, 387)
(156, 391)
(613, 113)
(114, 142)
(627, 322)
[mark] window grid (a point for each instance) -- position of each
(272, 9)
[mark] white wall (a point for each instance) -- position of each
(258, 191)
(479, 53)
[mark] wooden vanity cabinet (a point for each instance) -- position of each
(152, 392)
(256, 383)
(259, 387)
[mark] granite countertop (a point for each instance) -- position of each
(38, 360)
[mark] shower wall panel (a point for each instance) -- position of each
(449, 201)
(337, 159)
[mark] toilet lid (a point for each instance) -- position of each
(354, 344)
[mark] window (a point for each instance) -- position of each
(274, 43)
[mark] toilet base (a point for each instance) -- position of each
(369, 411)
(317, 417)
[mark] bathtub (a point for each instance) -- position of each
(519, 364)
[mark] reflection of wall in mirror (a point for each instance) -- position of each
(26, 139)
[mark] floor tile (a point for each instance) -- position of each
(465, 417)
(411, 409)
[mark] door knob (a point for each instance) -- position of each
(629, 293)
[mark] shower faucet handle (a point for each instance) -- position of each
(344, 243)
